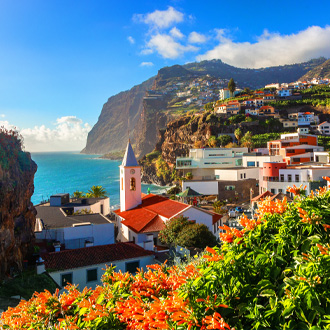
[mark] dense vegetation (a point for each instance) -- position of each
(274, 274)
(183, 232)
(316, 96)
(11, 149)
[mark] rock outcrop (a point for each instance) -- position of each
(17, 213)
(148, 107)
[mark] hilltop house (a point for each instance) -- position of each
(141, 217)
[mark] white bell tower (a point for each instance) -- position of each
(130, 181)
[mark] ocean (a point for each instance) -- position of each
(66, 172)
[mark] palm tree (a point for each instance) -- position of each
(238, 134)
(78, 194)
(97, 192)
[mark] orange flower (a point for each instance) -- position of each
(297, 190)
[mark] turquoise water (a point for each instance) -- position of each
(66, 172)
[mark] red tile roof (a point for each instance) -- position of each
(146, 217)
(94, 255)
(216, 217)
(263, 195)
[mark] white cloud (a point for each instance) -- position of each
(2, 115)
(131, 40)
(176, 33)
(69, 133)
(161, 19)
(272, 48)
(146, 64)
(167, 47)
(197, 38)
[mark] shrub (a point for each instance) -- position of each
(274, 274)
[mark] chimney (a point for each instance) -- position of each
(57, 246)
(40, 266)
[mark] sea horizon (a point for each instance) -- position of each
(69, 171)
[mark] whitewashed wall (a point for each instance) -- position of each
(203, 187)
(79, 275)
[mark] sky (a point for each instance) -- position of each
(60, 60)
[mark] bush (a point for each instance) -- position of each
(274, 274)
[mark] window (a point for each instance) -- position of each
(66, 279)
(132, 184)
(102, 211)
(282, 177)
(297, 177)
(244, 175)
(241, 176)
(217, 177)
(272, 191)
(280, 190)
(289, 177)
(91, 275)
(229, 187)
(132, 266)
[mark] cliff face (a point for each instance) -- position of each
(120, 113)
(17, 213)
(143, 113)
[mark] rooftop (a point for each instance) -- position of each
(54, 217)
(94, 255)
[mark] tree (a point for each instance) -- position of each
(224, 140)
(238, 134)
(189, 176)
(231, 87)
(212, 142)
(78, 194)
(96, 192)
(196, 235)
(247, 140)
(181, 231)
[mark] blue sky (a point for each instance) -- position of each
(61, 60)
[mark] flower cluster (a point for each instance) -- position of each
(230, 235)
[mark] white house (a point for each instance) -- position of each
(85, 266)
(141, 217)
(57, 221)
(324, 128)
(202, 162)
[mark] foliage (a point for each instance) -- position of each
(11, 145)
(213, 142)
(236, 119)
(231, 145)
(260, 140)
(224, 140)
(78, 194)
(153, 155)
(162, 168)
(274, 274)
(173, 190)
(196, 235)
(238, 134)
(183, 232)
(209, 106)
(247, 140)
(96, 192)
(172, 229)
(189, 176)
(231, 86)
(26, 284)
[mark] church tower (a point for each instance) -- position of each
(130, 181)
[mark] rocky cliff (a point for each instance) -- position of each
(321, 71)
(148, 107)
(17, 213)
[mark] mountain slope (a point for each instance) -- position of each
(321, 71)
(144, 114)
